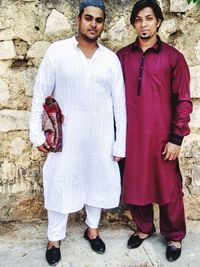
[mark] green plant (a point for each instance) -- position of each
(195, 1)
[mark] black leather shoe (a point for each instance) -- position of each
(135, 241)
(173, 253)
(53, 255)
(96, 244)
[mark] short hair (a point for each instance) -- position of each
(140, 4)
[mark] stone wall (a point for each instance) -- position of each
(27, 27)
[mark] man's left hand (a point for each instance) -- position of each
(171, 151)
(117, 158)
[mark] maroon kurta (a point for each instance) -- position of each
(158, 108)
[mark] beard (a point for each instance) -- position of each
(89, 39)
(145, 37)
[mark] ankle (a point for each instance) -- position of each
(177, 244)
(55, 244)
(141, 235)
(92, 232)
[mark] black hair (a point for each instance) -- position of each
(139, 5)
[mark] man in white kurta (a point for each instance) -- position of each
(90, 93)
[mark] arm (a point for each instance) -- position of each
(44, 85)
(118, 99)
(182, 108)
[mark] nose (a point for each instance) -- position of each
(93, 23)
(144, 23)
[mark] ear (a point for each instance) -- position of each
(158, 22)
(78, 20)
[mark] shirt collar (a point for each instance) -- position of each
(155, 48)
(75, 43)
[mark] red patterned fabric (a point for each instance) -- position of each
(52, 119)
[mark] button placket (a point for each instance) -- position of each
(140, 75)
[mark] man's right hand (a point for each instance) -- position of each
(44, 148)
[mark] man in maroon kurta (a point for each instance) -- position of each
(158, 107)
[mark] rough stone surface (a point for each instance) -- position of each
(167, 28)
(4, 93)
(197, 51)
(178, 5)
(18, 145)
(13, 120)
(118, 32)
(27, 27)
(57, 23)
(195, 84)
(195, 117)
(195, 175)
(7, 50)
(38, 49)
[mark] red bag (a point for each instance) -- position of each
(52, 119)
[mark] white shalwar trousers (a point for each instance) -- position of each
(57, 222)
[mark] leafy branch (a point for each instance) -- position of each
(195, 1)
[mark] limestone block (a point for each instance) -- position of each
(197, 51)
(7, 172)
(12, 120)
(190, 147)
(196, 175)
(118, 31)
(178, 5)
(192, 207)
(4, 93)
(38, 49)
(18, 145)
(195, 117)
(57, 23)
(29, 80)
(167, 28)
(7, 50)
(195, 81)
(4, 67)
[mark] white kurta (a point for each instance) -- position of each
(90, 93)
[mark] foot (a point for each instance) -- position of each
(173, 251)
(95, 241)
(53, 254)
(136, 239)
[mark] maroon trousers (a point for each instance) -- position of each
(172, 218)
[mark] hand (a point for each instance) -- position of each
(44, 148)
(171, 151)
(117, 158)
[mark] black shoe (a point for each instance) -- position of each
(97, 244)
(135, 241)
(173, 253)
(53, 255)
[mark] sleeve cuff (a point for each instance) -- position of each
(118, 151)
(176, 139)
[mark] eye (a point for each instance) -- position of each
(150, 18)
(99, 20)
(88, 18)
(137, 20)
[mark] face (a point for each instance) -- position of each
(91, 23)
(146, 24)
